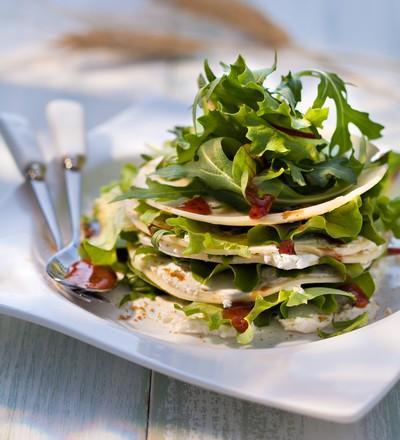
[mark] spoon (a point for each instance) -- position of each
(66, 121)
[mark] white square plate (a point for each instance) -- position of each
(338, 379)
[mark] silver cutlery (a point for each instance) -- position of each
(66, 120)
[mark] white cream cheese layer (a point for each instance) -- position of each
(315, 321)
(308, 252)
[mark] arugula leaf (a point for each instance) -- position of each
(287, 196)
(213, 166)
(331, 86)
(263, 125)
(159, 191)
(339, 168)
(290, 89)
(296, 173)
(246, 277)
(246, 126)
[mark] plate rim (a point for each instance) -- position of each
(27, 309)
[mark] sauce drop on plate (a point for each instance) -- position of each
(236, 314)
(361, 299)
(393, 251)
(84, 274)
(196, 205)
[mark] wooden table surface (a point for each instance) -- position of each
(54, 387)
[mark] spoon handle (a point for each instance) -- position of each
(66, 121)
(20, 140)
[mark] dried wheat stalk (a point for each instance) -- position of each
(240, 16)
(136, 44)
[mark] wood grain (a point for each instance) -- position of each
(182, 411)
(54, 387)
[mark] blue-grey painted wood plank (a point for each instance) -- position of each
(54, 387)
(180, 411)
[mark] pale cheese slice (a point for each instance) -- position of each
(177, 280)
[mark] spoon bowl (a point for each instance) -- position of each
(59, 268)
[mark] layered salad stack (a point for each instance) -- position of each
(250, 214)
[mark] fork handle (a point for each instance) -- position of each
(66, 122)
(20, 140)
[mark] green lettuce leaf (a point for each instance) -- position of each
(147, 214)
(112, 218)
(97, 255)
(204, 237)
(285, 298)
(348, 271)
(297, 298)
(343, 327)
(343, 222)
(366, 283)
(210, 313)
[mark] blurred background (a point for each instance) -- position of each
(112, 54)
